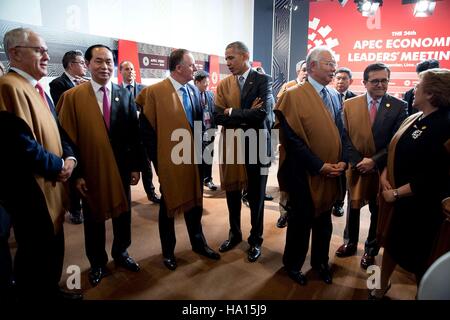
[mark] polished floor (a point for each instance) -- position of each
(232, 277)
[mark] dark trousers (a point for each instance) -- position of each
(351, 231)
(75, 201)
(95, 236)
(301, 221)
(342, 190)
(166, 225)
(6, 271)
(40, 253)
(256, 190)
(208, 147)
(147, 177)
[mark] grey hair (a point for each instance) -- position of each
(16, 37)
(299, 64)
(314, 54)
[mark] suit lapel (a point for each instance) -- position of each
(248, 84)
(382, 112)
(68, 82)
(116, 99)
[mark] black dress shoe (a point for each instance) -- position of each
(346, 250)
(324, 273)
(282, 221)
(268, 197)
(154, 198)
(127, 263)
(211, 186)
(96, 274)
(207, 252)
(338, 211)
(253, 253)
(170, 263)
(227, 245)
(367, 260)
(298, 277)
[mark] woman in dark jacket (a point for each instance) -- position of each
(416, 178)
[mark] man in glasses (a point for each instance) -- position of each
(371, 121)
(74, 72)
(36, 162)
(308, 115)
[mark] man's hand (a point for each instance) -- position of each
(365, 165)
(330, 170)
(80, 184)
(66, 170)
(135, 176)
(257, 103)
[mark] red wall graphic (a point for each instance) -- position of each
(128, 51)
(393, 36)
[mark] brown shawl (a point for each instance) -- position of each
(285, 87)
(20, 98)
(386, 209)
(180, 183)
(307, 115)
(357, 122)
(81, 118)
(233, 175)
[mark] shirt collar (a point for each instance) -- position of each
(132, 84)
(176, 84)
(245, 74)
(316, 85)
(369, 100)
(96, 86)
(28, 77)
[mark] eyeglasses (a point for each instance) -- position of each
(376, 82)
(330, 64)
(41, 50)
(82, 63)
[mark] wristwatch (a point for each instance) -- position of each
(395, 193)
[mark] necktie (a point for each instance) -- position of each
(187, 106)
(41, 92)
(327, 100)
(373, 110)
(342, 97)
(106, 107)
(241, 82)
(130, 88)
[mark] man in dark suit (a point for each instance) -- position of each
(342, 81)
(170, 106)
(101, 119)
(371, 121)
(74, 71)
(244, 101)
(201, 81)
(308, 116)
(38, 161)
(409, 95)
(128, 72)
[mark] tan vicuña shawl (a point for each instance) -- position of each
(180, 183)
(233, 175)
(362, 187)
(307, 115)
(81, 118)
(20, 98)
